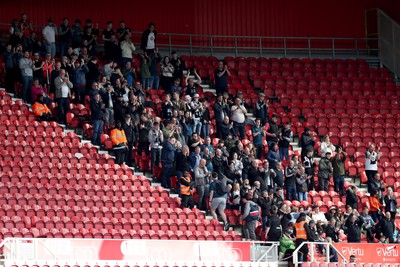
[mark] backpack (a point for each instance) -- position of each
(254, 212)
(220, 188)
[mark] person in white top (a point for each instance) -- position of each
(49, 35)
(327, 146)
(371, 161)
(127, 48)
(167, 72)
(238, 112)
(63, 93)
(148, 41)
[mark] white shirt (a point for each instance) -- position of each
(325, 147)
(371, 164)
(238, 114)
(110, 102)
(64, 90)
(49, 34)
(151, 41)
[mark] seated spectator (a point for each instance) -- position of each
(38, 89)
(368, 226)
(332, 231)
(319, 216)
(234, 197)
(40, 109)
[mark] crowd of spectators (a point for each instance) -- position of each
(252, 173)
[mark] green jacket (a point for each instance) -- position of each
(286, 244)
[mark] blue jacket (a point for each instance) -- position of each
(168, 154)
(271, 157)
(79, 74)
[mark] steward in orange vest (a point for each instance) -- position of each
(186, 191)
(119, 142)
(301, 236)
(42, 112)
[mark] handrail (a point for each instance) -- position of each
(312, 252)
(259, 45)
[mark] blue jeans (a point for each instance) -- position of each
(154, 82)
(26, 88)
(302, 196)
(63, 108)
(291, 192)
(147, 82)
(284, 153)
(264, 223)
(339, 184)
(205, 130)
(197, 125)
(167, 171)
(97, 131)
(50, 48)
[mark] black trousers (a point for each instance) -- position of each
(120, 155)
(187, 201)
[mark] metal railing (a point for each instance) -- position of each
(260, 46)
(312, 252)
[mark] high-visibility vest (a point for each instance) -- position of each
(39, 109)
(300, 230)
(118, 137)
(185, 189)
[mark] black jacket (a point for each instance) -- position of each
(131, 132)
(388, 202)
(182, 162)
(145, 36)
(351, 199)
(353, 230)
(97, 112)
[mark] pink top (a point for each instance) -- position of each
(35, 91)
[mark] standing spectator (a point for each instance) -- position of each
(387, 227)
(339, 170)
(205, 118)
(192, 87)
(376, 185)
(167, 161)
(37, 68)
(262, 108)
(251, 215)
(109, 97)
(26, 66)
(96, 108)
(131, 136)
(10, 67)
(368, 225)
(156, 139)
(301, 236)
(273, 155)
(196, 108)
(94, 73)
(376, 206)
(238, 116)
(154, 69)
(218, 196)
(353, 225)
(119, 142)
(272, 130)
(274, 228)
(202, 178)
(49, 33)
(48, 68)
(183, 162)
(167, 73)
(290, 181)
(309, 167)
(351, 197)
(79, 80)
(287, 246)
(64, 33)
(371, 161)
(148, 42)
(145, 65)
(221, 110)
(258, 133)
(144, 129)
(327, 146)
(122, 31)
(186, 191)
(77, 34)
(285, 137)
(63, 93)
(178, 64)
(106, 36)
(221, 75)
(278, 177)
(127, 48)
(390, 203)
(306, 141)
(25, 26)
(301, 184)
(325, 171)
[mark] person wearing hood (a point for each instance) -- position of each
(250, 216)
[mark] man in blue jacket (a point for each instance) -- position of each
(79, 80)
(167, 160)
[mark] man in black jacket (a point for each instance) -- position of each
(353, 225)
(131, 134)
(148, 40)
(306, 141)
(351, 197)
(96, 108)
